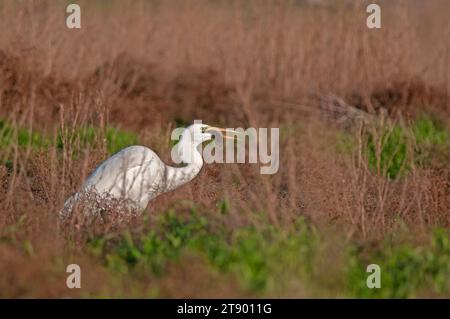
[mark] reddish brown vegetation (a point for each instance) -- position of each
(147, 68)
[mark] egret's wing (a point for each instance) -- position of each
(125, 170)
(135, 174)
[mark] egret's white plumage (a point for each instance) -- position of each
(136, 174)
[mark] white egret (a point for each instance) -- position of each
(136, 175)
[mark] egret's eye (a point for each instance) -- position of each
(203, 129)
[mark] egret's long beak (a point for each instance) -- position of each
(213, 128)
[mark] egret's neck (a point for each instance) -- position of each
(178, 176)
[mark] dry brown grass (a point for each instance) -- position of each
(146, 66)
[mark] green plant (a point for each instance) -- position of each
(22, 137)
(83, 137)
(432, 141)
(257, 257)
(87, 136)
(388, 150)
(428, 131)
(388, 153)
(405, 270)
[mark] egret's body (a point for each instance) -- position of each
(137, 174)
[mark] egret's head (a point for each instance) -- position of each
(198, 133)
(192, 137)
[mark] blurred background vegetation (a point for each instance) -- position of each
(364, 123)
